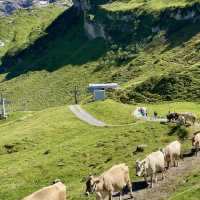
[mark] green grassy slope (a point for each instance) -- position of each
(21, 29)
(45, 73)
(160, 58)
(121, 5)
(51, 143)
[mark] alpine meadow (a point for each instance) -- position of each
(92, 91)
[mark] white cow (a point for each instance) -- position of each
(150, 166)
(172, 153)
(113, 180)
(53, 192)
(196, 143)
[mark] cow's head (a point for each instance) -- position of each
(56, 181)
(140, 168)
(91, 184)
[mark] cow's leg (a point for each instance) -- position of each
(177, 160)
(145, 179)
(99, 196)
(129, 184)
(110, 195)
(173, 159)
(196, 150)
(151, 181)
(156, 179)
(168, 164)
(163, 174)
(120, 195)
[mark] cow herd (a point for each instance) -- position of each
(115, 179)
(182, 118)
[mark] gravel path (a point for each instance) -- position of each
(85, 116)
(163, 189)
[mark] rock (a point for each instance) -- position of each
(140, 148)
(9, 146)
(47, 152)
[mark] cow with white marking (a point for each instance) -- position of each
(111, 181)
(150, 166)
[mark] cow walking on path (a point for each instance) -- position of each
(196, 143)
(113, 180)
(172, 153)
(150, 166)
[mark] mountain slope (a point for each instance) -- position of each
(24, 27)
(102, 44)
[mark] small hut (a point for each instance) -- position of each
(99, 90)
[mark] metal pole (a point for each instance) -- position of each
(3, 108)
(76, 94)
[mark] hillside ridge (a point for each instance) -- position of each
(109, 46)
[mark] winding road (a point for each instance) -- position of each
(85, 116)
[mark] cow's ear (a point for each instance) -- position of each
(144, 162)
(97, 180)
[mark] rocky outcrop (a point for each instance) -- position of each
(133, 24)
(92, 27)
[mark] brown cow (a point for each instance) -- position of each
(172, 153)
(196, 143)
(56, 191)
(113, 180)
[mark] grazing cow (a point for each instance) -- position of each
(56, 191)
(172, 117)
(181, 120)
(196, 143)
(189, 117)
(150, 166)
(113, 180)
(172, 153)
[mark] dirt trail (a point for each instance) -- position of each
(163, 189)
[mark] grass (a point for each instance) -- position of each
(121, 114)
(74, 149)
(153, 5)
(21, 29)
(188, 190)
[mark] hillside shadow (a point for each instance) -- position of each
(180, 35)
(64, 43)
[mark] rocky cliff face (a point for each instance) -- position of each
(133, 25)
(92, 27)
